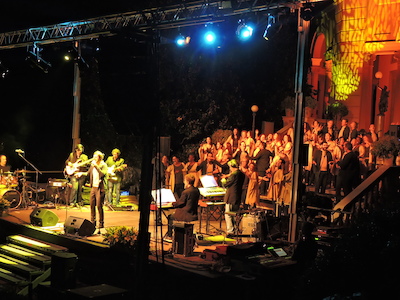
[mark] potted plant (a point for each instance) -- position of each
(288, 105)
(121, 236)
(386, 149)
(310, 103)
(336, 111)
(4, 205)
(122, 241)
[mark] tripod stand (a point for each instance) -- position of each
(25, 188)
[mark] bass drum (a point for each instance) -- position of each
(13, 196)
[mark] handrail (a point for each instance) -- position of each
(371, 182)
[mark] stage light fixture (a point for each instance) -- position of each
(244, 31)
(182, 40)
(35, 59)
(272, 28)
(74, 55)
(210, 35)
(307, 13)
(3, 70)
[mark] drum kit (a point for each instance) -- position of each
(15, 189)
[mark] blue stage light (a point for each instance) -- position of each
(210, 37)
(244, 32)
(181, 40)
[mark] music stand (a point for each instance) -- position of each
(161, 197)
(24, 191)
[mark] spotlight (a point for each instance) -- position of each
(182, 40)
(272, 27)
(35, 59)
(307, 13)
(210, 36)
(3, 70)
(244, 31)
(74, 55)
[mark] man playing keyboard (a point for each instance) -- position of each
(186, 206)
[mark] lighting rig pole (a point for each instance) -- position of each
(76, 118)
(254, 109)
(303, 31)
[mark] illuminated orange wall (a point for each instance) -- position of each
(366, 38)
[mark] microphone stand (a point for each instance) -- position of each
(24, 183)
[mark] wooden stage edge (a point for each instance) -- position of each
(17, 218)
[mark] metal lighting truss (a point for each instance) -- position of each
(185, 14)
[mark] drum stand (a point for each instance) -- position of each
(25, 197)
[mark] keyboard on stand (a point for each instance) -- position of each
(212, 191)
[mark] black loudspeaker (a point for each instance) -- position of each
(183, 239)
(79, 226)
(394, 130)
(304, 154)
(43, 217)
(63, 275)
(165, 145)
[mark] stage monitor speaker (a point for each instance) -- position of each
(394, 130)
(43, 217)
(63, 275)
(79, 226)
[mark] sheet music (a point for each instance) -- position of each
(163, 197)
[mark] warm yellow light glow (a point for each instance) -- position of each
(29, 241)
(363, 27)
(16, 251)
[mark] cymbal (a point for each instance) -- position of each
(24, 171)
(8, 173)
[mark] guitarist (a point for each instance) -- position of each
(115, 166)
(74, 172)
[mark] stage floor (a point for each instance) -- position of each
(120, 217)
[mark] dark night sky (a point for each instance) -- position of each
(39, 105)
(38, 116)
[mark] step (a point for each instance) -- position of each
(10, 277)
(19, 267)
(34, 244)
(36, 258)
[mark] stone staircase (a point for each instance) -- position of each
(26, 262)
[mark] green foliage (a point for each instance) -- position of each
(337, 110)
(386, 147)
(120, 235)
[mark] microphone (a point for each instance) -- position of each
(19, 151)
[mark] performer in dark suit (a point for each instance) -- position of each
(349, 172)
(232, 198)
(187, 205)
(97, 172)
(353, 131)
(322, 160)
(209, 166)
(262, 158)
(344, 131)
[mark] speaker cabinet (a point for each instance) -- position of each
(394, 130)
(183, 239)
(79, 226)
(43, 217)
(63, 275)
